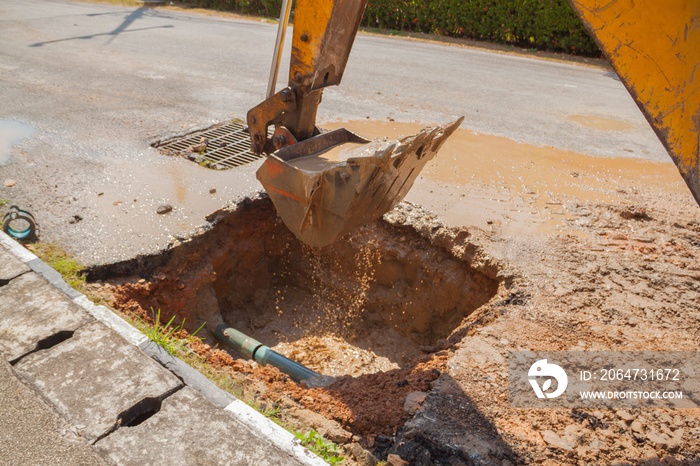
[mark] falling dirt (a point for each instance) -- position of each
(415, 314)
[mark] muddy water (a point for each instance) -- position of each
(11, 133)
(331, 157)
(496, 183)
(601, 123)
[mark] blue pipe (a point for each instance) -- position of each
(263, 355)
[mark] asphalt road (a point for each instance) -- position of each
(97, 83)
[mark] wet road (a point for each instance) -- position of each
(98, 83)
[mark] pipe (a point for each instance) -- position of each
(18, 216)
(263, 355)
(279, 45)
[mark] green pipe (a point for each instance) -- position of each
(263, 355)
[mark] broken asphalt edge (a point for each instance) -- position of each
(249, 417)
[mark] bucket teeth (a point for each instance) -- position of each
(319, 207)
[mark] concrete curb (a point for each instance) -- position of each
(246, 415)
(276, 434)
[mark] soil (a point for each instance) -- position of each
(531, 249)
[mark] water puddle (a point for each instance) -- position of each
(11, 133)
(601, 123)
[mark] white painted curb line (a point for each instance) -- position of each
(276, 434)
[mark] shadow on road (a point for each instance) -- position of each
(128, 20)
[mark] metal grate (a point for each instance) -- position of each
(227, 146)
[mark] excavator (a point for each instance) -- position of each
(653, 46)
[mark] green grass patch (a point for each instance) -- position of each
(168, 336)
(72, 271)
(324, 448)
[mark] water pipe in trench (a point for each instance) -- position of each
(263, 355)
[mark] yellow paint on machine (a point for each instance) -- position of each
(311, 19)
(655, 48)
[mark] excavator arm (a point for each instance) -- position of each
(321, 205)
(324, 32)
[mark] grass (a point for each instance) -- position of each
(324, 448)
(167, 336)
(3, 203)
(72, 271)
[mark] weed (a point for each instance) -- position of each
(272, 413)
(167, 336)
(323, 447)
(206, 163)
(4, 202)
(57, 258)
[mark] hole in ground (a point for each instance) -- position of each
(139, 413)
(48, 342)
(369, 307)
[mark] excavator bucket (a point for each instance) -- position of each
(321, 199)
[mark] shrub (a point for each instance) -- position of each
(541, 24)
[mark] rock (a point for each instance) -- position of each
(75, 219)
(634, 213)
(164, 209)
(597, 446)
(558, 442)
(395, 460)
(201, 147)
(10, 183)
(659, 439)
(637, 426)
(212, 191)
(582, 451)
(414, 402)
(671, 442)
(573, 432)
(625, 415)
(362, 456)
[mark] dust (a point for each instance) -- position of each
(329, 313)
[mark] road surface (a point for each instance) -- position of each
(93, 85)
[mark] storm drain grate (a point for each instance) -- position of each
(219, 147)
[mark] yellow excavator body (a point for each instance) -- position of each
(654, 46)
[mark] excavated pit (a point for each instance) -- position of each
(373, 301)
